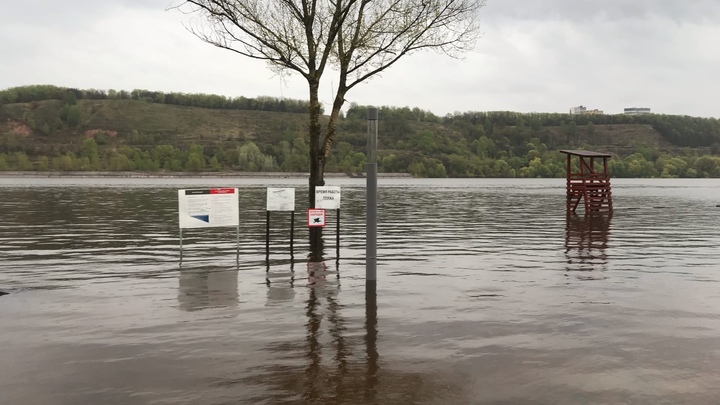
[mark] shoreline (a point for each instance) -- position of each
(150, 175)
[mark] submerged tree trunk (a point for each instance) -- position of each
(320, 149)
(317, 161)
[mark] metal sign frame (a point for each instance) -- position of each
(209, 208)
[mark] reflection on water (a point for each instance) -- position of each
(337, 359)
(280, 284)
(207, 287)
(586, 242)
(371, 334)
(487, 294)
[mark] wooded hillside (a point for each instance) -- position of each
(54, 128)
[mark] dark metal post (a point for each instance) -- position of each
(267, 237)
(292, 233)
(371, 198)
(337, 236)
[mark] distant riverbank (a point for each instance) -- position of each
(144, 175)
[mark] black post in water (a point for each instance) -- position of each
(180, 247)
(337, 235)
(292, 234)
(292, 272)
(371, 198)
(267, 238)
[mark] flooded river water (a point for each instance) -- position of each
(487, 293)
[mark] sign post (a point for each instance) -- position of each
(328, 197)
(209, 208)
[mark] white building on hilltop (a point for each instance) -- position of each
(583, 110)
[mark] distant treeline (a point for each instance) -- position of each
(677, 129)
(28, 94)
(94, 155)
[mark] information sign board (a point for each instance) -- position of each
(280, 199)
(327, 197)
(207, 208)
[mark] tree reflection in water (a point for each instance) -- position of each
(586, 242)
(338, 360)
(322, 288)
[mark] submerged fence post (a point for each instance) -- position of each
(371, 198)
(292, 235)
(267, 237)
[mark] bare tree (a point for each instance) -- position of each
(355, 39)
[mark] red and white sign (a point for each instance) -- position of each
(223, 190)
(316, 217)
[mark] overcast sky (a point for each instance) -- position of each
(534, 56)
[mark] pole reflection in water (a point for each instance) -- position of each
(336, 359)
(281, 284)
(207, 287)
(586, 242)
(371, 333)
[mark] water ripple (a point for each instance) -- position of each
(488, 293)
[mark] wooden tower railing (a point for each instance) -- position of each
(589, 184)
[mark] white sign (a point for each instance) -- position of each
(280, 199)
(327, 197)
(316, 217)
(208, 208)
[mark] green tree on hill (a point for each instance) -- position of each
(70, 114)
(195, 159)
(89, 151)
(22, 162)
(43, 164)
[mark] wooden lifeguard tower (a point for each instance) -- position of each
(590, 184)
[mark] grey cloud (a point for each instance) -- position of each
(69, 14)
(606, 10)
(535, 55)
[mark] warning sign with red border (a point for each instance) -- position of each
(316, 217)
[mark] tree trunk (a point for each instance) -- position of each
(320, 149)
(317, 161)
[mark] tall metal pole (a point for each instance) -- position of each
(371, 198)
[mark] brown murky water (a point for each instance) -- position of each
(487, 294)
